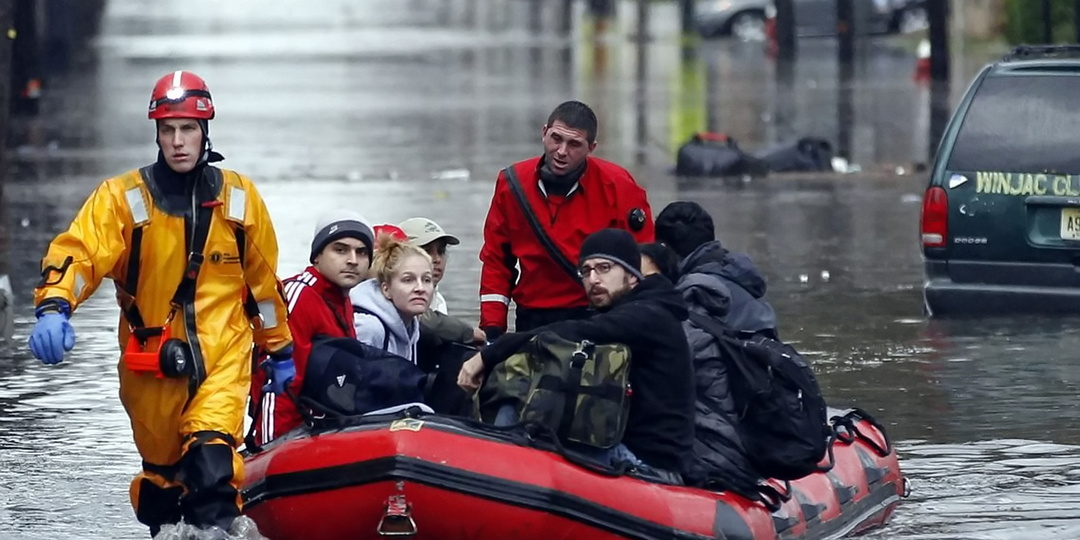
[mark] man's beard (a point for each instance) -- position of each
(612, 296)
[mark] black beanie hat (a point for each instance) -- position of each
(684, 226)
(615, 245)
(341, 224)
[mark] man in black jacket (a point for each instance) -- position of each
(728, 288)
(644, 314)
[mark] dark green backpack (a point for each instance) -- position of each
(579, 390)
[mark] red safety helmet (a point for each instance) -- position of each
(181, 94)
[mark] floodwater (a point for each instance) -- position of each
(398, 108)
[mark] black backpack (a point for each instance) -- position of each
(345, 377)
(783, 421)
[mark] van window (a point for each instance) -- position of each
(1021, 124)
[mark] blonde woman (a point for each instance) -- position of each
(387, 307)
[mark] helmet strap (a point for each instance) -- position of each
(207, 145)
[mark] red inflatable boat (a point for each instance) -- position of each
(433, 477)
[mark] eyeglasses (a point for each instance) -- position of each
(600, 269)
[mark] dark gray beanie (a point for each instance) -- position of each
(341, 224)
(615, 245)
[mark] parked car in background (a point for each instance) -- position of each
(1001, 215)
(741, 19)
(746, 20)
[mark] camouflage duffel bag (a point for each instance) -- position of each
(579, 390)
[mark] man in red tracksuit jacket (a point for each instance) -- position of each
(572, 195)
(318, 302)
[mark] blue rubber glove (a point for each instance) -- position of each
(53, 334)
(281, 370)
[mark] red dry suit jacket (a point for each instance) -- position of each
(605, 196)
(317, 307)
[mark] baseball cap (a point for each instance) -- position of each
(423, 231)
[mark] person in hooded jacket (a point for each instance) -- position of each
(387, 307)
(687, 228)
(726, 287)
(645, 314)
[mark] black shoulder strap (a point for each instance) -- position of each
(203, 215)
(131, 280)
(251, 306)
(538, 229)
(131, 283)
(725, 335)
(712, 326)
(386, 329)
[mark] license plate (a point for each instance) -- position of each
(1070, 223)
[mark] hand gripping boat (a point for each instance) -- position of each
(411, 475)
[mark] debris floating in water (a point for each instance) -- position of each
(453, 175)
(243, 528)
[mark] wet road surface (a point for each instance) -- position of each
(399, 108)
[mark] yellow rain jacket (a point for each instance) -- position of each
(98, 244)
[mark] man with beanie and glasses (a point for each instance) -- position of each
(645, 314)
(318, 302)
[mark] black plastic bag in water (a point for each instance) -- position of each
(715, 155)
(805, 154)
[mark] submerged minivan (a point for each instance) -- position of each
(1001, 216)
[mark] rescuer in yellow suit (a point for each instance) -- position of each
(193, 254)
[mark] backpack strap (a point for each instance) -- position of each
(386, 329)
(251, 306)
(714, 327)
(583, 353)
(549, 245)
(724, 335)
(140, 214)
